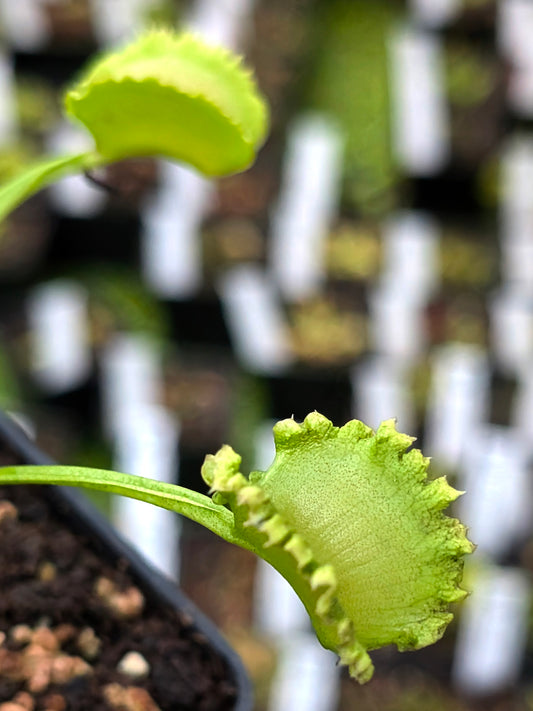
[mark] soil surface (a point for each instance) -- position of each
(76, 634)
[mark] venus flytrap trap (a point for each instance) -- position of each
(167, 95)
(346, 515)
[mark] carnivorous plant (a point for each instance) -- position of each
(346, 514)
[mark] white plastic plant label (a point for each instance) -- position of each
(131, 378)
(458, 402)
(521, 418)
(517, 249)
(146, 444)
(515, 27)
(278, 611)
(223, 22)
(255, 320)
(492, 632)
(516, 174)
(74, 195)
(435, 13)
(25, 24)
(397, 323)
(116, 20)
(307, 205)
(495, 475)
(411, 260)
(170, 241)
(420, 116)
(381, 391)
(8, 114)
(306, 679)
(59, 335)
(511, 329)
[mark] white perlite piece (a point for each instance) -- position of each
(133, 665)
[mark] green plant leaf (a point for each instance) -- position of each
(39, 175)
(349, 518)
(191, 504)
(173, 96)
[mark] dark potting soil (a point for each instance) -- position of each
(76, 633)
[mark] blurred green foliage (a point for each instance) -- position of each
(349, 79)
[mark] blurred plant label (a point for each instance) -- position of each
(515, 29)
(516, 213)
(255, 320)
(380, 389)
(8, 117)
(397, 324)
(146, 444)
(511, 329)
(306, 678)
(130, 371)
(278, 611)
(170, 243)
(517, 174)
(59, 335)
(411, 254)
(117, 20)
(74, 195)
(517, 249)
(492, 632)
(458, 402)
(25, 24)
(494, 473)
(420, 117)
(307, 205)
(522, 409)
(435, 13)
(223, 22)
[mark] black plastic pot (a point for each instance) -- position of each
(83, 518)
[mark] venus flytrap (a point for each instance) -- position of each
(347, 514)
(167, 95)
